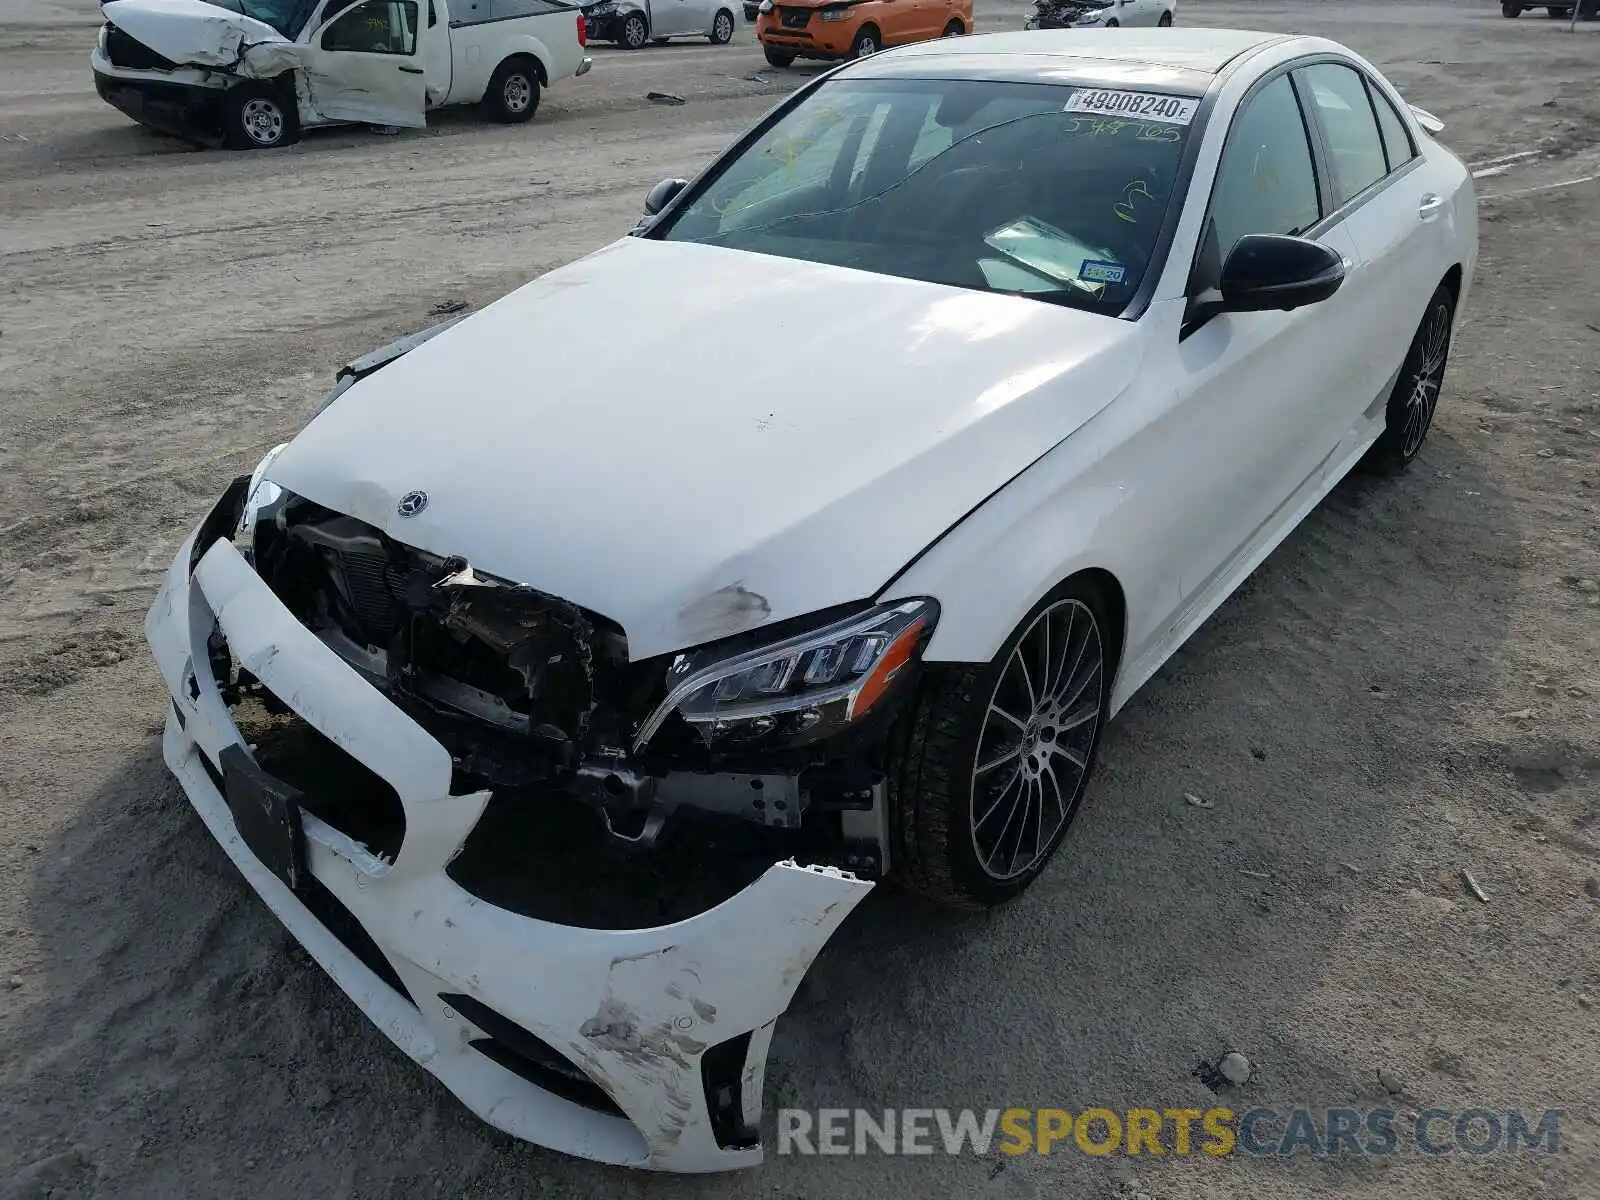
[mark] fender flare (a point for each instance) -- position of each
(523, 45)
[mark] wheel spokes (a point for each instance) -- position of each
(1041, 723)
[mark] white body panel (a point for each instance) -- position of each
(828, 436)
(452, 61)
(744, 468)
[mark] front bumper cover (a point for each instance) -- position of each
(671, 1023)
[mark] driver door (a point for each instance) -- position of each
(362, 65)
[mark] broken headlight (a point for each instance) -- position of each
(803, 687)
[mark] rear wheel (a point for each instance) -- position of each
(258, 116)
(722, 28)
(989, 769)
(868, 42)
(778, 58)
(1113, 23)
(1166, 20)
(635, 33)
(1510, 10)
(513, 95)
(1416, 392)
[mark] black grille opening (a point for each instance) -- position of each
(341, 922)
(337, 787)
(129, 52)
(722, 1076)
(529, 1057)
(794, 18)
(331, 913)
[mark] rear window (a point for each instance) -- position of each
(1049, 191)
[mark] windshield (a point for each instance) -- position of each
(288, 17)
(1044, 190)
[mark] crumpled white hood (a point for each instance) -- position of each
(194, 33)
(692, 440)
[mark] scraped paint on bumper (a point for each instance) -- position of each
(642, 1013)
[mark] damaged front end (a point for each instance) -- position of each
(537, 700)
(452, 712)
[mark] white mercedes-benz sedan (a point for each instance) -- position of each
(925, 424)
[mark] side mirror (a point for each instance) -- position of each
(1266, 271)
(662, 195)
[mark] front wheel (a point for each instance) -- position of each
(257, 116)
(1416, 392)
(1166, 20)
(989, 767)
(867, 42)
(778, 58)
(953, 28)
(635, 33)
(1113, 23)
(1511, 10)
(722, 28)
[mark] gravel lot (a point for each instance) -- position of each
(1408, 688)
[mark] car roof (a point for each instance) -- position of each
(1186, 57)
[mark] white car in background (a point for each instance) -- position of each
(956, 395)
(252, 74)
(1101, 14)
(632, 23)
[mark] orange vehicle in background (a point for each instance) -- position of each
(830, 29)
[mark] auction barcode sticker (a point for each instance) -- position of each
(1144, 106)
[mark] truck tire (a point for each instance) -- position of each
(1508, 9)
(259, 116)
(513, 95)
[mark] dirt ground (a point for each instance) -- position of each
(1408, 688)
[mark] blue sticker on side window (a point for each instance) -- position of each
(1094, 271)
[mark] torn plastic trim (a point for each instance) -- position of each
(635, 1010)
(359, 368)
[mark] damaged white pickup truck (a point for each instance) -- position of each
(251, 74)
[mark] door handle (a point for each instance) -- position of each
(1430, 207)
(413, 70)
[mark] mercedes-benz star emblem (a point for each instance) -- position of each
(412, 503)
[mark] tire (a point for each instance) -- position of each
(513, 93)
(258, 116)
(868, 42)
(1415, 397)
(634, 33)
(947, 781)
(953, 28)
(722, 26)
(778, 58)
(1113, 23)
(1166, 21)
(1511, 10)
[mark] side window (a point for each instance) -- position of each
(1340, 98)
(375, 27)
(1266, 182)
(1396, 137)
